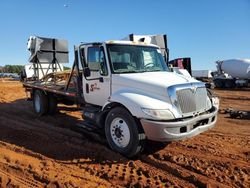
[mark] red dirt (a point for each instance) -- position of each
(49, 151)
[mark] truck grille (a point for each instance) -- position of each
(192, 99)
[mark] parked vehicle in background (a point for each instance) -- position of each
(13, 76)
(202, 74)
(232, 73)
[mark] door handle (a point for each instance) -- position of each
(101, 79)
(87, 88)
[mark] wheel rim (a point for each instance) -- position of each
(120, 132)
(37, 103)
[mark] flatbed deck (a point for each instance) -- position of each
(50, 87)
(62, 84)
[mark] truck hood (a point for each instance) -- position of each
(152, 83)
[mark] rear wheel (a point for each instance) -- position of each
(52, 102)
(123, 133)
(229, 84)
(40, 102)
(219, 83)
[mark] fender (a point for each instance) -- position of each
(134, 100)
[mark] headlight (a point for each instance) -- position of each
(158, 114)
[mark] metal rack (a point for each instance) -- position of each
(47, 55)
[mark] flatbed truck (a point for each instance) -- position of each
(126, 90)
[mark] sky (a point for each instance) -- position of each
(205, 30)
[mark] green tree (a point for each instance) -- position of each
(13, 68)
(66, 68)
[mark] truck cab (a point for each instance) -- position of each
(130, 92)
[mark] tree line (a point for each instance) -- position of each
(12, 69)
(16, 69)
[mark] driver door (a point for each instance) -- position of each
(97, 86)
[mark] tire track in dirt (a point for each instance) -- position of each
(228, 169)
(50, 134)
(49, 172)
(160, 176)
(112, 173)
(209, 169)
(122, 173)
(214, 151)
(64, 156)
(26, 182)
(195, 179)
(132, 173)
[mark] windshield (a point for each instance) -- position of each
(132, 59)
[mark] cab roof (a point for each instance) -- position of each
(130, 43)
(125, 42)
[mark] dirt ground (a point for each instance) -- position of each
(50, 152)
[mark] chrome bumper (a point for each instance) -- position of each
(178, 130)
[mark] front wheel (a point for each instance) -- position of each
(123, 133)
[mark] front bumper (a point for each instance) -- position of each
(178, 130)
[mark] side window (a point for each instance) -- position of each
(93, 58)
(96, 60)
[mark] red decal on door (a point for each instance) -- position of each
(94, 87)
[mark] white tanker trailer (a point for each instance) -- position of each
(231, 73)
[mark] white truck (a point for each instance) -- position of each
(231, 73)
(202, 74)
(127, 90)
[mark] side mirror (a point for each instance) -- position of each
(86, 72)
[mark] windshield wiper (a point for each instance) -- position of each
(149, 69)
(133, 71)
(156, 70)
(130, 71)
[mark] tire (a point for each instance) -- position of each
(219, 83)
(52, 105)
(40, 102)
(229, 84)
(123, 133)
